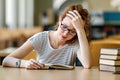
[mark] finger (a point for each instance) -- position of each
(70, 16)
(41, 65)
(80, 18)
(34, 61)
(72, 13)
(76, 12)
(37, 63)
(32, 65)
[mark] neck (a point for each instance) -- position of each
(55, 41)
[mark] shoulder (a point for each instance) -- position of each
(41, 33)
(39, 39)
(38, 36)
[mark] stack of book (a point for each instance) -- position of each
(110, 59)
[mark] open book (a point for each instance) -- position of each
(58, 66)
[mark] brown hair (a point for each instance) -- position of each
(84, 14)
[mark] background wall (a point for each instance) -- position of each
(101, 5)
(39, 7)
(42, 5)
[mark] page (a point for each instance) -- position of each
(58, 66)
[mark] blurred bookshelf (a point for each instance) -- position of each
(104, 24)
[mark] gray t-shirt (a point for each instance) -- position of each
(48, 55)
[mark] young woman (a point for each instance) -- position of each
(60, 46)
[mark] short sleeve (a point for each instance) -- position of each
(36, 40)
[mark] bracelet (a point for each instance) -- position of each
(18, 63)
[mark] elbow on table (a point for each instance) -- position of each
(87, 67)
(4, 63)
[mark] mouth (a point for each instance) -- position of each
(63, 37)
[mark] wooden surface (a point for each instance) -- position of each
(31, 55)
(96, 45)
(7, 51)
(16, 37)
(77, 74)
(115, 37)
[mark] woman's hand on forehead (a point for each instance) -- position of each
(76, 19)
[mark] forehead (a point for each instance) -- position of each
(67, 21)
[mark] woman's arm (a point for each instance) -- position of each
(18, 55)
(83, 53)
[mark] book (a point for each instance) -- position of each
(110, 51)
(58, 66)
(109, 62)
(111, 57)
(109, 68)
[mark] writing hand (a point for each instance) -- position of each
(33, 64)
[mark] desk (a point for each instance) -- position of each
(77, 74)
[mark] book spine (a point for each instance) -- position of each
(109, 62)
(110, 51)
(111, 65)
(112, 54)
(109, 68)
(110, 59)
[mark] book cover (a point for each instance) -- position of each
(110, 51)
(111, 57)
(58, 66)
(109, 68)
(109, 62)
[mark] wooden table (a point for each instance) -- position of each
(77, 74)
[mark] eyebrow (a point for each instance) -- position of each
(67, 27)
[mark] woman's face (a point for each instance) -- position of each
(66, 30)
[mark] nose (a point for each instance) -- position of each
(66, 33)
